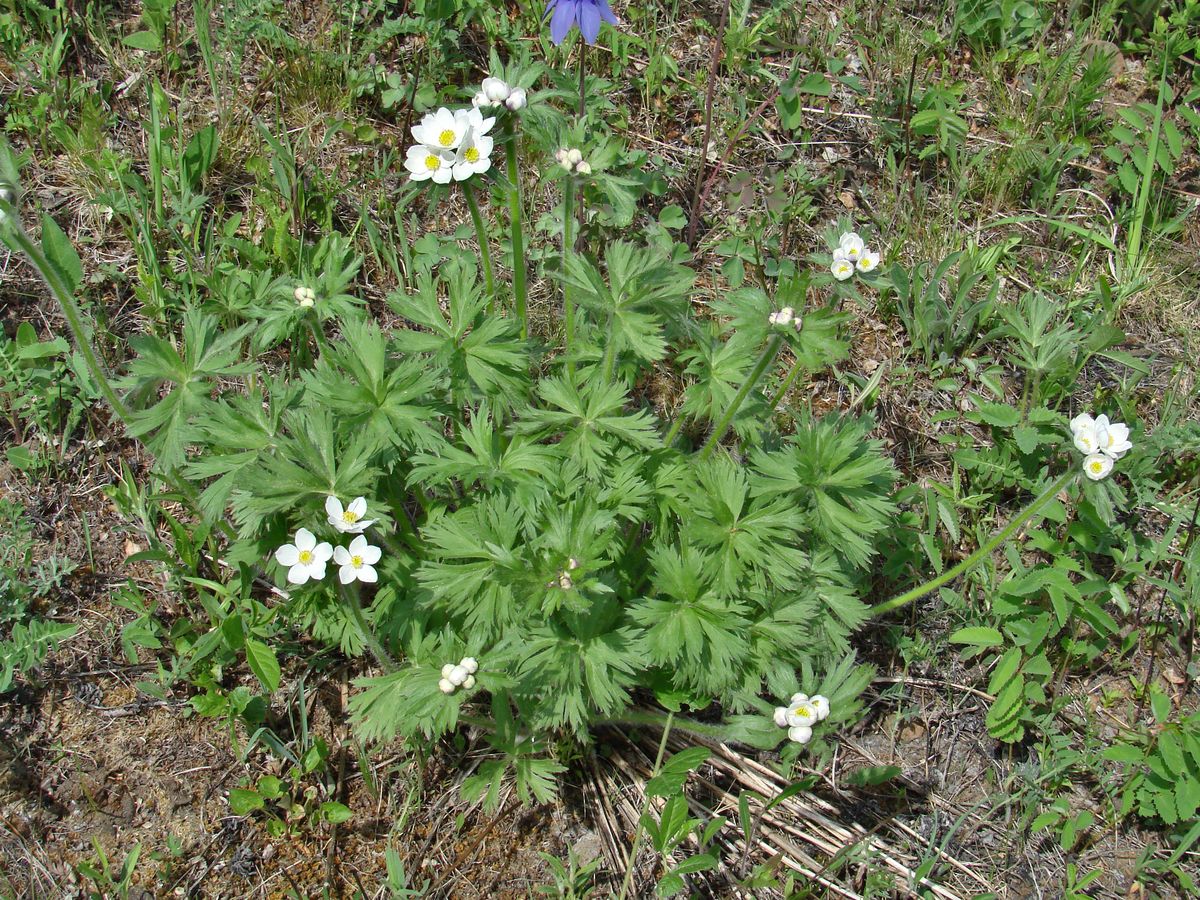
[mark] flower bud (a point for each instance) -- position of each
(584, 168)
(574, 156)
(517, 99)
(470, 664)
(781, 716)
(445, 686)
(800, 734)
(561, 156)
(495, 89)
(447, 669)
(469, 683)
(480, 99)
(457, 675)
(821, 704)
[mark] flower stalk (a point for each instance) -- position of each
(984, 551)
(768, 355)
(520, 291)
(485, 249)
(349, 594)
(567, 249)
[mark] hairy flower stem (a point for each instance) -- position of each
(520, 292)
(637, 837)
(71, 312)
(786, 386)
(484, 249)
(567, 249)
(673, 433)
(350, 595)
(768, 355)
(984, 551)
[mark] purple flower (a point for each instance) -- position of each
(587, 13)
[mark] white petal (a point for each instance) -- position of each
(368, 574)
(797, 698)
(347, 574)
(370, 555)
(322, 552)
(287, 555)
(781, 716)
(298, 574)
(341, 556)
(316, 571)
(1097, 466)
(305, 540)
(800, 734)
(1083, 420)
(358, 545)
(445, 686)
(358, 506)
(333, 506)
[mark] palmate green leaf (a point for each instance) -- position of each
(743, 534)
(406, 702)
(720, 369)
(483, 354)
(382, 398)
(487, 458)
(840, 479)
(590, 421)
(208, 353)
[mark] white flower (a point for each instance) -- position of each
(445, 686)
(852, 245)
(842, 267)
(423, 164)
(802, 714)
(1112, 438)
(470, 664)
(474, 156)
(496, 90)
(305, 558)
(821, 704)
(583, 168)
(517, 99)
(442, 130)
(801, 734)
(1083, 420)
(783, 317)
(480, 99)
(1096, 466)
(867, 261)
(475, 121)
(781, 716)
(458, 674)
(349, 520)
(357, 562)
(305, 296)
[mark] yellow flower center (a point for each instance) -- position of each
(356, 561)
(306, 556)
(1097, 467)
(446, 138)
(802, 712)
(432, 163)
(350, 517)
(472, 155)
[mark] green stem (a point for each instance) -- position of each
(786, 386)
(484, 249)
(350, 595)
(610, 349)
(760, 367)
(71, 312)
(637, 837)
(979, 555)
(674, 431)
(567, 249)
(516, 224)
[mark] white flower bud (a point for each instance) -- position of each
(470, 664)
(480, 99)
(517, 99)
(447, 669)
(800, 734)
(469, 683)
(572, 564)
(561, 156)
(574, 156)
(458, 675)
(445, 686)
(584, 168)
(781, 716)
(495, 89)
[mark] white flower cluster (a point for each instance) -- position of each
(496, 92)
(305, 296)
(305, 559)
(786, 316)
(800, 715)
(451, 144)
(852, 254)
(572, 160)
(462, 675)
(1102, 442)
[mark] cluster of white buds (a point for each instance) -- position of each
(852, 254)
(800, 715)
(1102, 442)
(564, 580)
(785, 317)
(496, 92)
(460, 676)
(305, 296)
(572, 160)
